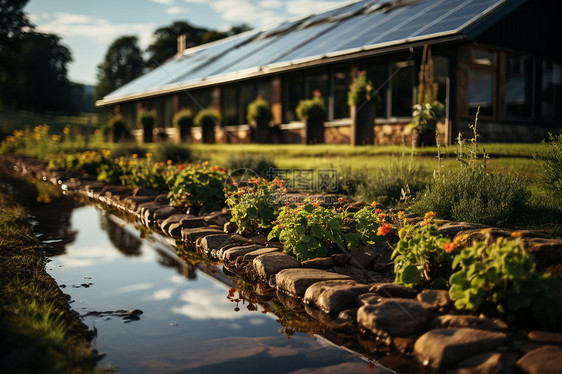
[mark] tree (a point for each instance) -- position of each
(212, 35)
(38, 80)
(123, 62)
(165, 43)
(12, 20)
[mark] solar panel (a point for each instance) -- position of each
(337, 31)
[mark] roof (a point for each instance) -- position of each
(349, 29)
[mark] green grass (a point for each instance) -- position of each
(39, 331)
(11, 120)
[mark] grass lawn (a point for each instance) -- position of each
(39, 333)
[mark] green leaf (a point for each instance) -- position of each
(318, 231)
(409, 275)
(300, 229)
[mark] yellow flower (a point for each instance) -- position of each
(56, 138)
(169, 162)
(148, 155)
(135, 155)
(66, 130)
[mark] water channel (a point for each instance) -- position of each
(155, 313)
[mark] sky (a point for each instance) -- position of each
(88, 27)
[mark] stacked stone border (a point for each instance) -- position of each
(348, 292)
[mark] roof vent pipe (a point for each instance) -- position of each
(181, 44)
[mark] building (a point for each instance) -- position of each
(503, 56)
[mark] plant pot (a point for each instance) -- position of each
(208, 133)
(313, 131)
(185, 133)
(260, 131)
(423, 138)
(147, 133)
(362, 124)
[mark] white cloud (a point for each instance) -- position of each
(243, 11)
(302, 8)
(98, 30)
(176, 10)
(271, 3)
(163, 294)
(167, 2)
(202, 304)
(196, 1)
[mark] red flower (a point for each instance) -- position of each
(222, 169)
(383, 230)
(449, 247)
(180, 167)
(378, 210)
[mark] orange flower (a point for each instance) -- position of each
(340, 199)
(516, 234)
(316, 203)
(374, 204)
(214, 168)
(449, 247)
(429, 215)
(425, 223)
(284, 190)
(378, 210)
(383, 230)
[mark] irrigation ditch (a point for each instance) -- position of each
(350, 299)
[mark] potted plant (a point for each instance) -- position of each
(428, 111)
(207, 119)
(147, 119)
(259, 116)
(183, 120)
(362, 100)
(312, 112)
(116, 129)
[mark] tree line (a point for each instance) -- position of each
(33, 64)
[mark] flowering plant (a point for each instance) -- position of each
(501, 275)
(422, 256)
(310, 231)
(253, 205)
(196, 186)
(426, 116)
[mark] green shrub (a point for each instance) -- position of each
(500, 275)
(311, 109)
(309, 230)
(147, 118)
(473, 195)
(207, 118)
(393, 185)
(360, 90)
(550, 161)
(259, 110)
(183, 120)
(118, 128)
(253, 206)
(422, 257)
(197, 188)
(176, 153)
(262, 165)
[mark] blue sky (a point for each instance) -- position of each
(88, 27)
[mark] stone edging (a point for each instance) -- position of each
(352, 291)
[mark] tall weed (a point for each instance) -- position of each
(550, 161)
(472, 193)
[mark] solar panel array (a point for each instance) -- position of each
(366, 24)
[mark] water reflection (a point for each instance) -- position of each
(124, 241)
(188, 323)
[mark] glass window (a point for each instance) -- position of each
(402, 84)
(197, 100)
(551, 90)
(518, 86)
(440, 74)
(317, 81)
(264, 89)
(247, 95)
(377, 72)
(341, 87)
(481, 92)
(229, 105)
(294, 92)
